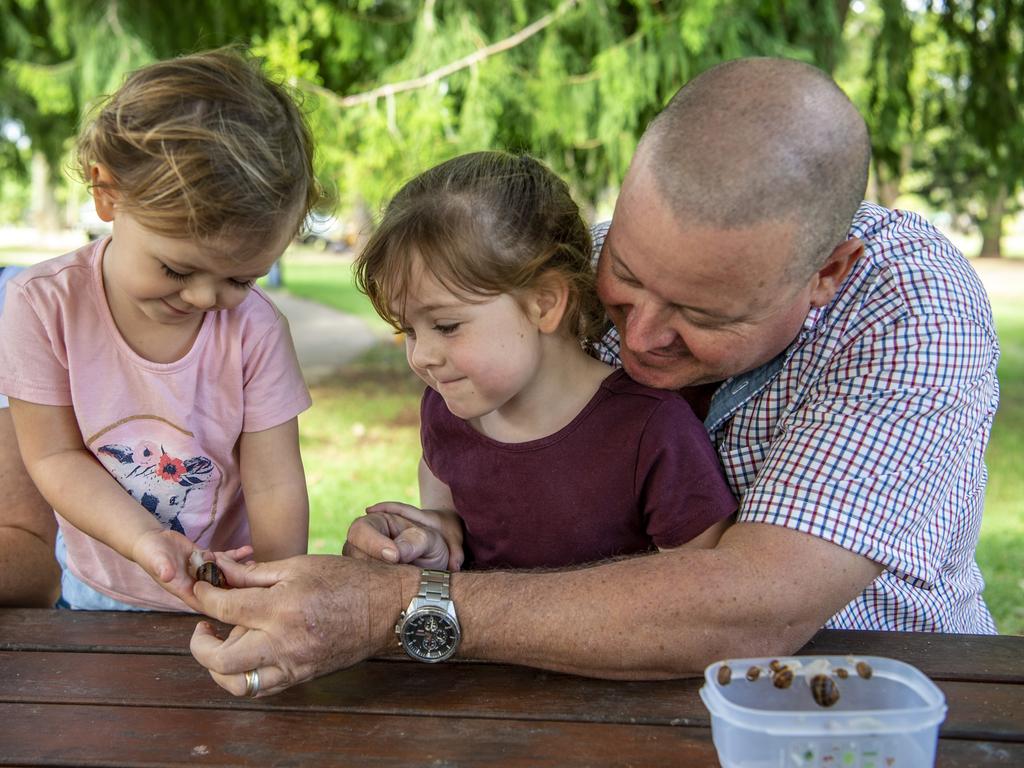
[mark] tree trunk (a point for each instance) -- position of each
(883, 187)
(43, 212)
(992, 226)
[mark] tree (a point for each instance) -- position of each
(975, 114)
(58, 57)
(578, 92)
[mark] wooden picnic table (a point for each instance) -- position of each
(96, 688)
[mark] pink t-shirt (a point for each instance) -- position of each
(167, 432)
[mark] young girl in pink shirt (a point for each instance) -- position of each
(154, 390)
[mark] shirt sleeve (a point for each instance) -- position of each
(875, 449)
(33, 358)
(681, 485)
(274, 388)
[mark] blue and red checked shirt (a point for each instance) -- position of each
(869, 431)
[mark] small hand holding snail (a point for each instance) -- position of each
(163, 554)
(170, 559)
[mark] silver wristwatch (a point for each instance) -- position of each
(428, 629)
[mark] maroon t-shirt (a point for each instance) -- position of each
(633, 471)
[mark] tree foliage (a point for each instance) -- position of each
(973, 113)
(392, 86)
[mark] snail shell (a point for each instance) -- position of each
(864, 670)
(841, 673)
(783, 678)
(724, 675)
(824, 690)
(211, 573)
(753, 673)
(775, 665)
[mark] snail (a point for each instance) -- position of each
(864, 670)
(206, 570)
(724, 675)
(783, 677)
(841, 673)
(824, 690)
(211, 573)
(753, 673)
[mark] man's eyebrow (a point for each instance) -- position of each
(618, 259)
(684, 307)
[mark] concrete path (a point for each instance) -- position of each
(325, 339)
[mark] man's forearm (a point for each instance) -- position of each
(29, 574)
(610, 620)
(761, 592)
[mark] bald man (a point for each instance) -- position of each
(843, 358)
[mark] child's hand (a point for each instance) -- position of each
(241, 555)
(400, 533)
(164, 555)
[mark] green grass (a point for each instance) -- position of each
(1001, 549)
(360, 443)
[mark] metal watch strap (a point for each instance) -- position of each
(435, 585)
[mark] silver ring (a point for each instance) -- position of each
(252, 682)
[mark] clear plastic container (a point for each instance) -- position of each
(888, 720)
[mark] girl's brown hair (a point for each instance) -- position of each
(484, 223)
(204, 146)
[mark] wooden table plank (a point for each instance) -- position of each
(978, 711)
(942, 657)
(105, 735)
(977, 754)
(465, 690)
(44, 629)
(123, 736)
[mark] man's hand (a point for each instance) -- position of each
(401, 533)
(297, 619)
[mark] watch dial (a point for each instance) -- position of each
(430, 636)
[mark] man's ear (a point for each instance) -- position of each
(826, 281)
(104, 191)
(547, 301)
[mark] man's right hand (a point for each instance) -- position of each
(401, 533)
(299, 618)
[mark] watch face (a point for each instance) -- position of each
(430, 634)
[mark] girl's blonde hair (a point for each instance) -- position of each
(483, 224)
(204, 146)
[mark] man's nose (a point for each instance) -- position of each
(647, 328)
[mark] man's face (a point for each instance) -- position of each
(693, 304)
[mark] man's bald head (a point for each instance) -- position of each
(757, 140)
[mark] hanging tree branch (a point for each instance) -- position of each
(389, 90)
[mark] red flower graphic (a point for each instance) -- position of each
(170, 468)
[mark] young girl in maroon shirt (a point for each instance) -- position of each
(545, 455)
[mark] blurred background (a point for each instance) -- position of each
(393, 86)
